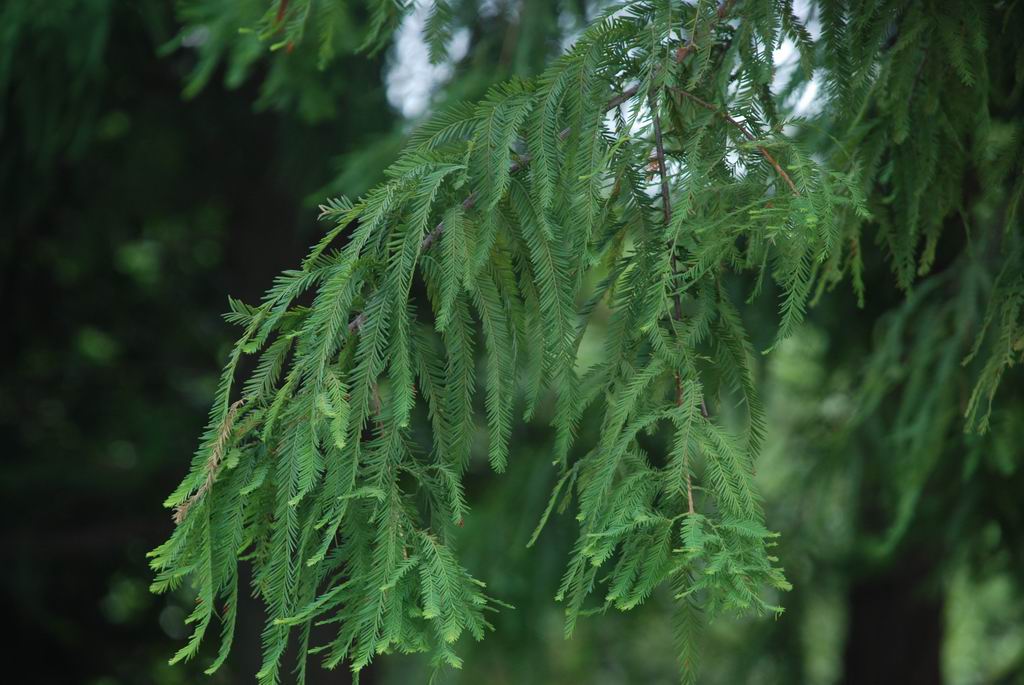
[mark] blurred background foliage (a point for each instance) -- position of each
(154, 158)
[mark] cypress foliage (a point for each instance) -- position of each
(645, 173)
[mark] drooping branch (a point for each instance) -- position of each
(746, 134)
(521, 163)
(212, 463)
(666, 209)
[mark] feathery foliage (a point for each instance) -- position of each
(648, 174)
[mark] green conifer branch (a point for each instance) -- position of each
(496, 236)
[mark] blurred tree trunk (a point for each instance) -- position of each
(895, 628)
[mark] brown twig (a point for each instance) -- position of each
(212, 463)
(666, 209)
(620, 98)
(746, 134)
(282, 10)
(659, 156)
